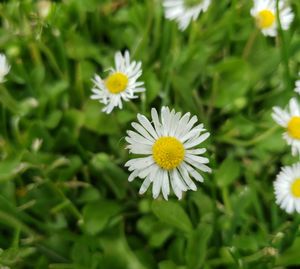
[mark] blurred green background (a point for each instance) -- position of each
(65, 201)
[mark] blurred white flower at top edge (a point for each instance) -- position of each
(264, 12)
(4, 67)
(121, 84)
(287, 188)
(289, 119)
(44, 8)
(184, 11)
(171, 154)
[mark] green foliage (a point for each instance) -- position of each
(65, 201)
(172, 214)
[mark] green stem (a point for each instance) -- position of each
(17, 224)
(4, 123)
(253, 141)
(284, 51)
(9, 102)
(51, 254)
(79, 84)
(213, 96)
(200, 107)
(16, 238)
(250, 43)
(52, 61)
(226, 200)
(61, 266)
(65, 202)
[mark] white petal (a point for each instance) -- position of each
(145, 185)
(197, 141)
(165, 185)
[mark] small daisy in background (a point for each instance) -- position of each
(170, 157)
(297, 85)
(121, 84)
(290, 120)
(4, 67)
(287, 188)
(264, 12)
(184, 11)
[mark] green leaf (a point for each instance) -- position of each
(12, 256)
(172, 213)
(79, 48)
(197, 245)
(114, 245)
(169, 265)
(97, 121)
(8, 169)
(228, 172)
(53, 119)
(113, 175)
(235, 81)
(97, 215)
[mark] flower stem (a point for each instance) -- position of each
(251, 142)
(249, 44)
(284, 51)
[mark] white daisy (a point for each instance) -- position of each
(287, 188)
(290, 120)
(264, 11)
(120, 85)
(170, 154)
(4, 67)
(184, 11)
(297, 85)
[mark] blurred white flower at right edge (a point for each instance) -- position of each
(289, 119)
(264, 12)
(184, 11)
(287, 183)
(4, 67)
(287, 188)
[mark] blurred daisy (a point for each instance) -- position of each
(168, 144)
(121, 84)
(264, 11)
(4, 67)
(287, 188)
(290, 120)
(184, 11)
(297, 85)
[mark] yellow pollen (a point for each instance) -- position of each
(294, 127)
(116, 82)
(295, 188)
(168, 152)
(265, 19)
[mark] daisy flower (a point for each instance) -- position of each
(264, 12)
(297, 85)
(184, 11)
(4, 67)
(287, 188)
(120, 85)
(170, 157)
(290, 120)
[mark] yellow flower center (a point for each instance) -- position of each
(294, 127)
(116, 82)
(168, 152)
(295, 188)
(265, 18)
